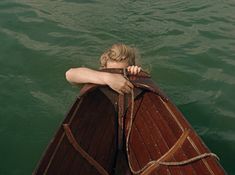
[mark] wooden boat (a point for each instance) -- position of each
(144, 129)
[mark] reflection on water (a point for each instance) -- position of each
(187, 45)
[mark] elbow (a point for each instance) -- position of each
(76, 75)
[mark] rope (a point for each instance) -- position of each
(82, 152)
(153, 164)
(193, 159)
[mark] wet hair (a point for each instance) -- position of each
(118, 53)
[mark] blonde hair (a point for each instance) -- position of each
(118, 53)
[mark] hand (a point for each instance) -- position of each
(133, 70)
(119, 84)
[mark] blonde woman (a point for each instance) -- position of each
(118, 56)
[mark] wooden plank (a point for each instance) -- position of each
(135, 164)
(186, 124)
(152, 141)
(76, 125)
(92, 133)
(132, 158)
(51, 147)
(154, 129)
(63, 159)
(212, 161)
(137, 140)
(80, 128)
(62, 149)
(176, 131)
(190, 152)
(96, 137)
(163, 126)
(108, 137)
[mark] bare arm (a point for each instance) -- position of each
(85, 75)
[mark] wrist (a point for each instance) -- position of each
(105, 77)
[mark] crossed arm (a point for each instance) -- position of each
(117, 82)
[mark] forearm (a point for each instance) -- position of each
(85, 75)
(115, 81)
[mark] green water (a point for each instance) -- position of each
(187, 45)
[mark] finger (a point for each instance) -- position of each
(135, 70)
(128, 83)
(132, 69)
(120, 92)
(124, 91)
(129, 68)
(139, 69)
(127, 89)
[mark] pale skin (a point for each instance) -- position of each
(116, 82)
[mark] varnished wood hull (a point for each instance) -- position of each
(92, 122)
(159, 134)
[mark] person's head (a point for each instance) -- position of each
(118, 56)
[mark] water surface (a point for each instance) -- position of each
(187, 45)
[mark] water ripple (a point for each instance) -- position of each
(49, 101)
(189, 45)
(217, 74)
